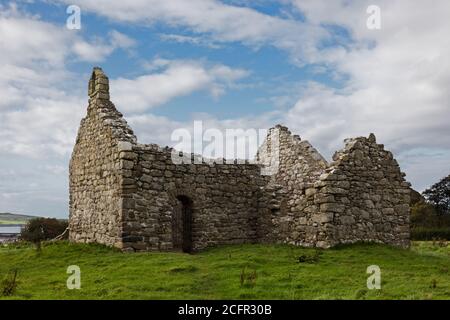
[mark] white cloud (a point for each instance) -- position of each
(27, 40)
(47, 128)
(45, 125)
(215, 21)
(33, 186)
(98, 50)
(397, 86)
(120, 40)
(40, 107)
(173, 79)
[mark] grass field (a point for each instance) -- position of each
(230, 272)
(9, 218)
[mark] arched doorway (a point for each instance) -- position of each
(182, 224)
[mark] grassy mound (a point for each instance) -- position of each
(230, 272)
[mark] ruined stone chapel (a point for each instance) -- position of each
(134, 197)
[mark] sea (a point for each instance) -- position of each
(10, 229)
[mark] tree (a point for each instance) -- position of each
(40, 229)
(439, 195)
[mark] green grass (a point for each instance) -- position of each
(271, 272)
(15, 222)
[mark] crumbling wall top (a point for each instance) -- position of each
(98, 84)
(101, 108)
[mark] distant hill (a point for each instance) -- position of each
(11, 218)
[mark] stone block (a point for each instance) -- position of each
(332, 207)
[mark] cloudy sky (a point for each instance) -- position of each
(312, 65)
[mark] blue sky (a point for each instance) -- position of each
(270, 69)
(314, 66)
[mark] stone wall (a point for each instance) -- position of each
(288, 218)
(224, 200)
(129, 195)
(95, 176)
(363, 196)
(360, 196)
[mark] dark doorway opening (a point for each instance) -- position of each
(182, 225)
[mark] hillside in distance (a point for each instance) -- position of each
(11, 218)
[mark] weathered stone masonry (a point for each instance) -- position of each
(134, 197)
